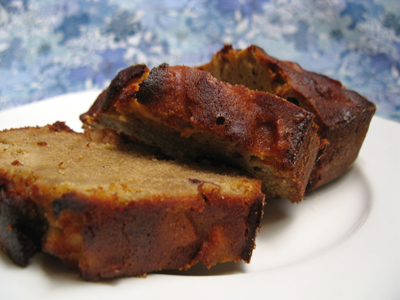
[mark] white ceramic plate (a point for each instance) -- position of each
(342, 242)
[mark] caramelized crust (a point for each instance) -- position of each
(187, 112)
(343, 116)
(113, 209)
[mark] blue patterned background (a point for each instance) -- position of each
(53, 47)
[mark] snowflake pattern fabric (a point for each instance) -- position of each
(54, 47)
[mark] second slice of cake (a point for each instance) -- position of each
(188, 113)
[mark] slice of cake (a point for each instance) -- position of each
(113, 209)
(343, 116)
(188, 113)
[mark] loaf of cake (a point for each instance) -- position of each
(342, 116)
(111, 208)
(188, 113)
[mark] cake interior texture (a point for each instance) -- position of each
(112, 208)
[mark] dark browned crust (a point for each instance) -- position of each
(141, 237)
(254, 221)
(106, 99)
(342, 115)
(21, 226)
(127, 238)
(160, 235)
(231, 112)
(59, 127)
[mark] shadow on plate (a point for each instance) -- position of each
(279, 213)
(276, 210)
(229, 268)
(55, 268)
